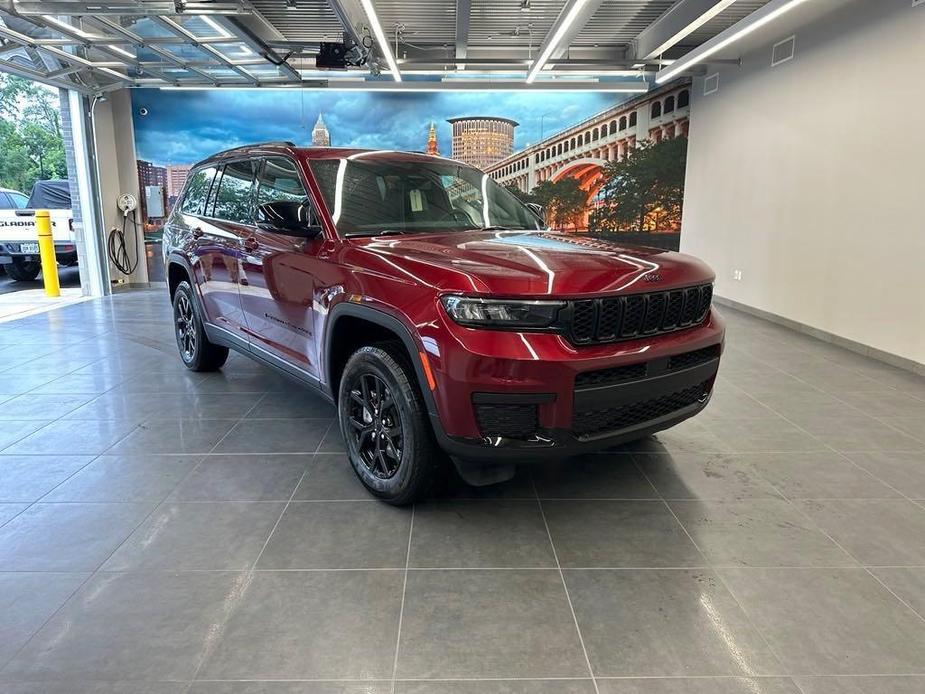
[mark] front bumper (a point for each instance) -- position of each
(565, 401)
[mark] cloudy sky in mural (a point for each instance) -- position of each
(186, 126)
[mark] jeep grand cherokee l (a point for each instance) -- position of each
(435, 310)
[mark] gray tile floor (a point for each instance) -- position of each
(163, 531)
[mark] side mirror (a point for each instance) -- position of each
(538, 210)
(288, 217)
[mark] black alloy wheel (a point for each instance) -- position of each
(186, 328)
(385, 425)
(376, 425)
(196, 351)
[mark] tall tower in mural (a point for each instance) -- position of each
(320, 135)
(432, 141)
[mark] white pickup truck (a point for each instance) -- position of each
(19, 245)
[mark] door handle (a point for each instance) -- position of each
(251, 244)
(197, 232)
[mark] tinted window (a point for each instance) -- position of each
(5, 202)
(279, 180)
(234, 202)
(197, 190)
(377, 194)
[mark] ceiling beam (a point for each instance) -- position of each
(573, 17)
(682, 19)
(745, 26)
(463, 17)
(351, 16)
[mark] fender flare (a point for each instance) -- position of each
(385, 320)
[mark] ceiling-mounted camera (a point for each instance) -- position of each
(143, 111)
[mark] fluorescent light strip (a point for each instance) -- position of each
(556, 39)
(692, 27)
(381, 39)
(449, 86)
(699, 55)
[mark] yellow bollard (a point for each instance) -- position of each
(47, 253)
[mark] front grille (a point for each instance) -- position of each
(508, 421)
(595, 422)
(595, 321)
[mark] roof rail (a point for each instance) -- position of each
(232, 150)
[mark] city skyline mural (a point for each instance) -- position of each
(183, 127)
(576, 154)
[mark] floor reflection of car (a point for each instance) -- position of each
(435, 310)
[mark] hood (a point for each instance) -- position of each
(534, 263)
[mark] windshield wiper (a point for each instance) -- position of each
(384, 232)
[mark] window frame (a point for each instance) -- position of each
(220, 176)
(306, 187)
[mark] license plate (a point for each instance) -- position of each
(28, 248)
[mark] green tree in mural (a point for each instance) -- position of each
(564, 201)
(31, 145)
(644, 191)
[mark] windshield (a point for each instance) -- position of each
(368, 197)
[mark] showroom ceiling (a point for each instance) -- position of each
(616, 45)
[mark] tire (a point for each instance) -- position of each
(397, 468)
(197, 353)
(23, 272)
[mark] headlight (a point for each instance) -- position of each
(504, 314)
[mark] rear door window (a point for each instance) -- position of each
(234, 201)
(19, 200)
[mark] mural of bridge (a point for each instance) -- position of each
(583, 150)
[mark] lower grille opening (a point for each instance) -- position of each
(508, 421)
(695, 358)
(617, 374)
(595, 422)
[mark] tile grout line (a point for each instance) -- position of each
(568, 597)
(249, 574)
(401, 611)
(822, 530)
(714, 570)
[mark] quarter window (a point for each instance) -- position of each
(234, 202)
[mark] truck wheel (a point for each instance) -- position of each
(23, 272)
(385, 426)
(197, 353)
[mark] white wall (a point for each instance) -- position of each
(810, 178)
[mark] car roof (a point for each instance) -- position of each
(10, 190)
(267, 148)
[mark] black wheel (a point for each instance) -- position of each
(385, 426)
(197, 353)
(23, 272)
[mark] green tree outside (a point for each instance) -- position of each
(31, 145)
(644, 191)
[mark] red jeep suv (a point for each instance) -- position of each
(435, 310)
